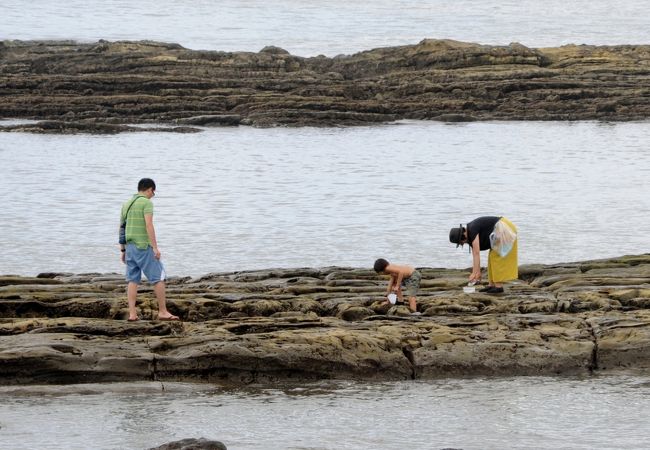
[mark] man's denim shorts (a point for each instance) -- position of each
(139, 261)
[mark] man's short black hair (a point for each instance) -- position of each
(145, 184)
(380, 265)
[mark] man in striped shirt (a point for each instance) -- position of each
(141, 253)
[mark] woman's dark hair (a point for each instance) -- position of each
(145, 184)
(380, 265)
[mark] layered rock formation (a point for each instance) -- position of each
(328, 323)
(96, 87)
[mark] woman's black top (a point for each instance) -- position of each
(483, 227)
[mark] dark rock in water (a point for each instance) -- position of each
(103, 87)
(274, 50)
(63, 127)
(52, 274)
(192, 444)
(326, 323)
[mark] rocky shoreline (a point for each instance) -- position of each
(107, 87)
(326, 323)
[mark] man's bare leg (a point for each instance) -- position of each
(163, 313)
(131, 295)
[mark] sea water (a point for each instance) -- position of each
(604, 412)
(244, 198)
(329, 27)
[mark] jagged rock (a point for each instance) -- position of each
(103, 87)
(311, 324)
(355, 313)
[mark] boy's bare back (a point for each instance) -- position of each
(397, 269)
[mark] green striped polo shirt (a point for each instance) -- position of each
(136, 230)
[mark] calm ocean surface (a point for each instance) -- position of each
(605, 412)
(242, 198)
(329, 27)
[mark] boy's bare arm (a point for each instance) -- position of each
(391, 282)
(400, 277)
(397, 274)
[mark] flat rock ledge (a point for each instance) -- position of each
(326, 323)
(107, 87)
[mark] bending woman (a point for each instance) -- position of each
(498, 235)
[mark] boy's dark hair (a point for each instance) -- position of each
(145, 184)
(380, 265)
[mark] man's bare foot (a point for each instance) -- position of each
(133, 318)
(169, 317)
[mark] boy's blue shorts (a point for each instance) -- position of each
(143, 261)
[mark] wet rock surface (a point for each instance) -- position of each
(104, 86)
(327, 323)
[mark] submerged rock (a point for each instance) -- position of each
(102, 87)
(192, 444)
(329, 323)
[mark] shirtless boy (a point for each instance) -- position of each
(400, 277)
